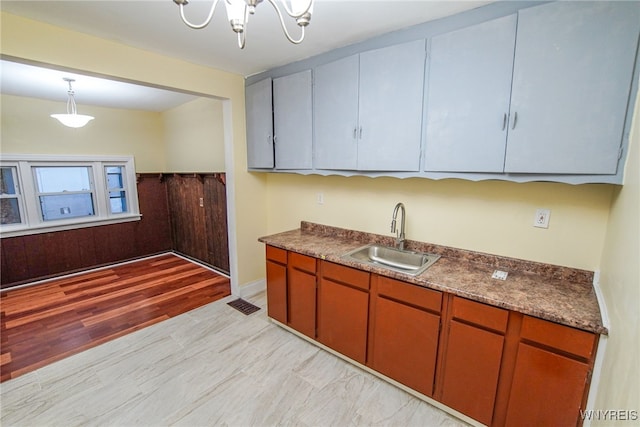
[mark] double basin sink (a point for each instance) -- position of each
(403, 261)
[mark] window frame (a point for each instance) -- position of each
(31, 214)
(18, 193)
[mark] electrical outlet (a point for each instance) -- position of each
(541, 219)
(201, 202)
(499, 275)
(320, 198)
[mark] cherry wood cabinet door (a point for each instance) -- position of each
(343, 317)
(277, 284)
(471, 371)
(547, 389)
(405, 344)
(301, 281)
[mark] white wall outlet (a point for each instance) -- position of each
(320, 198)
(499, 275)
(201, 202)
(541, 219)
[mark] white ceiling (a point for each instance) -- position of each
(155, 25)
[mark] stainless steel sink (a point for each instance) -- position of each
(403, 261)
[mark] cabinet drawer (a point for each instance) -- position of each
(302, 262)
(346, 275)
(276, 254)
(410, 294)
(564, 338)
(480, 314)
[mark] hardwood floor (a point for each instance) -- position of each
(212, 366)
(47, 322)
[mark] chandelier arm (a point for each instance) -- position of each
(198, 26)
(284, 28)
(294, 15)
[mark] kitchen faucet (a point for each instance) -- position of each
(400, 235)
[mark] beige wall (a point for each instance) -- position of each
(620, 283)
(194, 137)
(28, 129)
(29, 40)
(495, 217)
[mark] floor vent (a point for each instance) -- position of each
(243, 306)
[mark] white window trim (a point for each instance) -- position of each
(32, 222)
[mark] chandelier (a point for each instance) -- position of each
(72, 119)
(238, 12)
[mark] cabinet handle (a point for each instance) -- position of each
(360, 136)
(515, 120)
(504, 121)
(355, 133)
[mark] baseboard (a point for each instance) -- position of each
(253, 288)
(602, 349)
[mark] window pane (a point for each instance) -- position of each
(118, 201)
(66, 206)
(9, 211)
(63, 178)
(7, 184)
(114, 177)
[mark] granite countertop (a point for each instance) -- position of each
(559, 294)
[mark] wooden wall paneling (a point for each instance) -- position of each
(215, 201)
(153, 231)
(115, 242)
(187, 216)
(14, 265)
(38, 253)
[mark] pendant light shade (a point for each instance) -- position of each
(72, 119)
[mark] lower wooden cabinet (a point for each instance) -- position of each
(343, 310)
(551, 376)
(499, 367)
(405, 331)
(301, 285)
(277, 284)
(472, 358)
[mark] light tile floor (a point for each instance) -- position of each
(210, 366)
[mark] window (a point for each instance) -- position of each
(65, 192)
(10, 200)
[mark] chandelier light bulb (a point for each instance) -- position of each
(238, 12)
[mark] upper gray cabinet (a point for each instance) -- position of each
(292, 121)
(258, 104)
(551, 99)
(468, 97)
(572, 73)
(367, 110)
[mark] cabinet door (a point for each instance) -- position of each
(547, 389)
(277, 291)
(471, 370)
(390, 107)
(405, 344)
(572, 73)
(343, 318)
(292, 121)
(259, 124)
(301, 281)
(468, 97)
(335, 114)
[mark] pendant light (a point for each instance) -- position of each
(72, 119)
